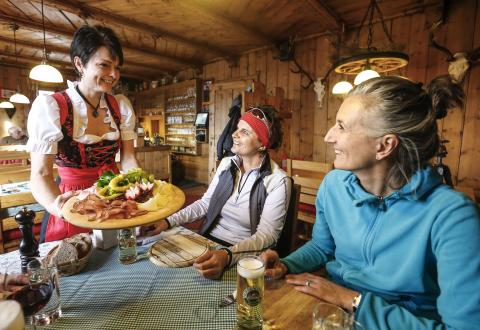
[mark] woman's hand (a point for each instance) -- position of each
(56, 207)
(274, 268)
(13, 282)
(323, 289)
(154, 229)
(212, 263)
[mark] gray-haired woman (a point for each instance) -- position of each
(401, 248)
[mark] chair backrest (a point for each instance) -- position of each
(286, 242)
(308, 175)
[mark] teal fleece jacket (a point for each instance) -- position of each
(414, 255)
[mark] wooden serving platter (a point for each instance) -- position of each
(177, 251)
(176, 202)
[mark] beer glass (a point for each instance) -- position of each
(250, 285)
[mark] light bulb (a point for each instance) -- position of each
(19, 98)
(365, 75)
(6, 105)
(46, 73)
(342, 87)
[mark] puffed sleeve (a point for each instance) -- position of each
(127, 123)
(44, 129)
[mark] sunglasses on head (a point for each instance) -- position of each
(258, 113)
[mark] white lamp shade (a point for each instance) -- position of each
(19, 98)
(365, 75)
(46, 73)
(342, 87)
(6, 105)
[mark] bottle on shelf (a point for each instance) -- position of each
(146, 140)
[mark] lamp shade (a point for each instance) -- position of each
(342, 87)
(46, 73)
(6, 105)
(364, 76)
(19, 98)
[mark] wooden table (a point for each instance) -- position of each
(286, 308)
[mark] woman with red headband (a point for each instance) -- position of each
(246, 203)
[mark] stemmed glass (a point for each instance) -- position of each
(38, 292)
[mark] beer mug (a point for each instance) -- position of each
(250, 285)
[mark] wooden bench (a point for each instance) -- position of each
(308, 175)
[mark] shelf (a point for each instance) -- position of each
(189, 124)
(182, 112)
(180, 145)
(176, 134)
(154, 117)
(161, 109)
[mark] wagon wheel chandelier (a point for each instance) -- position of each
(367, 62)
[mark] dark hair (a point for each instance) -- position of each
(396, 105)
(276, 134)
(88, 39)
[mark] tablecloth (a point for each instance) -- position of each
(110, 295)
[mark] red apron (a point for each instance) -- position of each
(79, 165)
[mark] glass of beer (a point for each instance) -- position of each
(250, 285)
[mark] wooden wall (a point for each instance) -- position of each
(311, 120)
(8, 80)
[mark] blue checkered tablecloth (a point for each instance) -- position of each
(109, 295)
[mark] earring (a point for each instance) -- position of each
(262, 148)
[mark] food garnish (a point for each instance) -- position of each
(123, 196)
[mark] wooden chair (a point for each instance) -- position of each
(308, 175)
(286, 242)
(470, 192)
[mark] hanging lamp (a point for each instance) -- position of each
(342, 87)
(45, 72)
(6, 105)
(353, 60)
(17, 97)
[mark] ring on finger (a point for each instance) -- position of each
(308, 282)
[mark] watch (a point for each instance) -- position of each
(356, 302)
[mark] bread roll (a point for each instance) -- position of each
(65, 252)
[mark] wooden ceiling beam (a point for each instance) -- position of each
(66, 66)
(86, 11)
(206, 8)
(66, 51)
(35, 26)
(326, 13)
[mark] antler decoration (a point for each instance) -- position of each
(286, 50)
(459, 63)
(302, 72)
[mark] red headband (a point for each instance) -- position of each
(259, 126)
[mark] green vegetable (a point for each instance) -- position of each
(105, 179)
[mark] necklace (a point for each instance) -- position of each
(95, 109)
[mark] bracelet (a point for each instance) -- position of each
(168, 223)
(229, 255)
(356, 302)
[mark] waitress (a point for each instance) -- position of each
(80, 129)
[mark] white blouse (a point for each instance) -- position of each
(44, 127)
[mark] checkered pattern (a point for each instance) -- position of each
(109, 295)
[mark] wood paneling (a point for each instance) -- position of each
(310, 122)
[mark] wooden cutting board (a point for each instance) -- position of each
(177, 251)
(176, 202)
